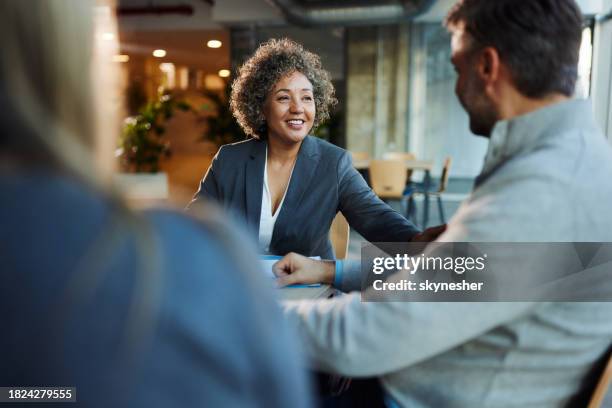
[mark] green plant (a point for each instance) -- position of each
(221, 127)
(142, 144)
(135, 96)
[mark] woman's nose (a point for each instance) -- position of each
(296, 106)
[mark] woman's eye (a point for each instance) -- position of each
(283, 98)
(308, 98)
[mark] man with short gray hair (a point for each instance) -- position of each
(546, 178)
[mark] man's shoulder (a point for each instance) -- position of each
(542, 194)
(564, 158)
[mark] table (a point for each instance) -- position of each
(425, 165)
(318, 292)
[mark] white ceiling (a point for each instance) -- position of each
(262, 12)
(201, 19)
(245, 11)
(184, 36)
(183, 47)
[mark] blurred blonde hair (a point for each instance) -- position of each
(52, 50)
(59, 93)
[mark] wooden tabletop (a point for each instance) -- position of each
(426, 165)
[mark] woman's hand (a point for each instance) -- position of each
(430, 234)
(294, 268)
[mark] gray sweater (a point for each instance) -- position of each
(546, 178)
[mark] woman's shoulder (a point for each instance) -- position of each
(242, 148)
(327, 149)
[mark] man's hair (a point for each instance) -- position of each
(539, 40)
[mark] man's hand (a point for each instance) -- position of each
(294, 268)
(430, 234)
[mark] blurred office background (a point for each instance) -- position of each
(390, 64)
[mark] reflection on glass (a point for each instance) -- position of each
(583, 86)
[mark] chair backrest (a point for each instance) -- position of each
(339, 234)
(398, 156)
(602, 386)
(444, 177)
(403, 156)
(357, 156)
(388, 178)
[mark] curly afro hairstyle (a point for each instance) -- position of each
(272, 61)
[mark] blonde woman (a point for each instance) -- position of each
(148, 310)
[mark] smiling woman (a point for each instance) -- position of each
(287, 185)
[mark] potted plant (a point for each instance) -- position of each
(142, 146)
(221, 126)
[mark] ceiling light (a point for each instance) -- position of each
(159, 53)
(214, 44)
(121, 58)
(224, 73)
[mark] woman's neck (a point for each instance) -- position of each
(281, 152)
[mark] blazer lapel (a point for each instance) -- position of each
(254, 184)
(303, 172)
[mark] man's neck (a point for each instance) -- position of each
(515, 104)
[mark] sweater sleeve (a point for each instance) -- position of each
(363, 339)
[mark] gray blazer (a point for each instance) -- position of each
(324, 182)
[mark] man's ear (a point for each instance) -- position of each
(489, 65)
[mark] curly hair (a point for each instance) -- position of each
(271, 62)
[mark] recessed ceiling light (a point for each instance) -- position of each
(159, 53)
(224, 73)
(214, 44)
(121, 58)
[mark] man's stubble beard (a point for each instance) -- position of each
(480, 108)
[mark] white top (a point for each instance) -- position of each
(266, 218)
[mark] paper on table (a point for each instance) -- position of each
(267, 261)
